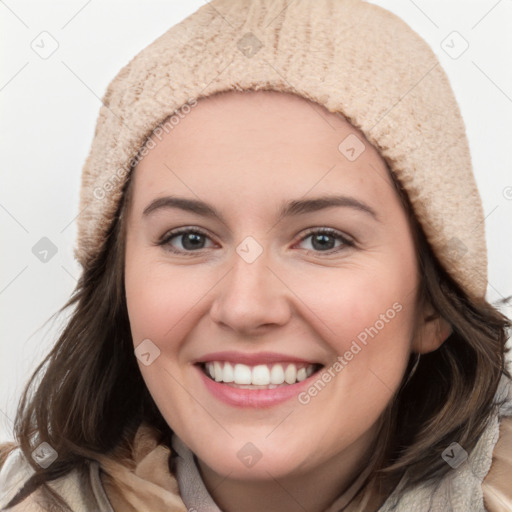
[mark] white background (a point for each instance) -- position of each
(49, 109)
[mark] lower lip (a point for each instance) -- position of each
(256, 398)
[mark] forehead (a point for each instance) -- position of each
(260, 120)
(257, 145)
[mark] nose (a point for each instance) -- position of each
(251, 297)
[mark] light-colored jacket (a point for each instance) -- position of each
(483, 482)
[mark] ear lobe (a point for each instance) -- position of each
(433, 332)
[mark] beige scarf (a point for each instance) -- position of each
(138, 478)
(144, 481)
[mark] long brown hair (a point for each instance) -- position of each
(88, 396)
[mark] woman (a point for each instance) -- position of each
(282, 301)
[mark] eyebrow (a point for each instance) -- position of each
(288, 209)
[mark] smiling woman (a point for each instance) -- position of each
(275, 312)
(290, 311)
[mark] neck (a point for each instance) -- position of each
(314, 490)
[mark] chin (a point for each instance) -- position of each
(247, 462)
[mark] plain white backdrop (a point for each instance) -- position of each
(49, 105)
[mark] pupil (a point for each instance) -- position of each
(319, 238)
(192, 240)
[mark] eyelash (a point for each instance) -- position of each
(346, 242)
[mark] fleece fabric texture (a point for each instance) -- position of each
(481, 483)
(351, 57)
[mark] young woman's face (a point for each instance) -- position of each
(298, 264)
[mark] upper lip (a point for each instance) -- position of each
(252, 359)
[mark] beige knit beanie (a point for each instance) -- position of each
(350, 56)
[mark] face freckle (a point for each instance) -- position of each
(250, 174)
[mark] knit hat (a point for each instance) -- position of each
(350, 56)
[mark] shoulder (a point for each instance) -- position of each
(80, 491)
(497, 485)
(14, 473)
(479, 481)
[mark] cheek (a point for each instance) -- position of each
(161, 301)
(152, 307)
(367, 319)
(161, 305)
(353, 303)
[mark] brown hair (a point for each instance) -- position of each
(450, 394)
(91, 396)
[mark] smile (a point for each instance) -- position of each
(255, 379)
(260, 376)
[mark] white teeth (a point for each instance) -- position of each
(217, 368)
(301, 374)
(290, 374)
(228, 375)
(242, 374)
(260, 375)
(277, 374)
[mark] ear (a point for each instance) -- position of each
(432, 331)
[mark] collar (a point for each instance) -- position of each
(192, 489)
(143, 480)
(196, 496)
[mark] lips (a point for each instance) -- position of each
(267, 375)
(253, 358)
(259, 379)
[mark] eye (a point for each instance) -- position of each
(193, 239)
(190, 239)
(324, 240)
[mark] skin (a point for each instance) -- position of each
(246, 153)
